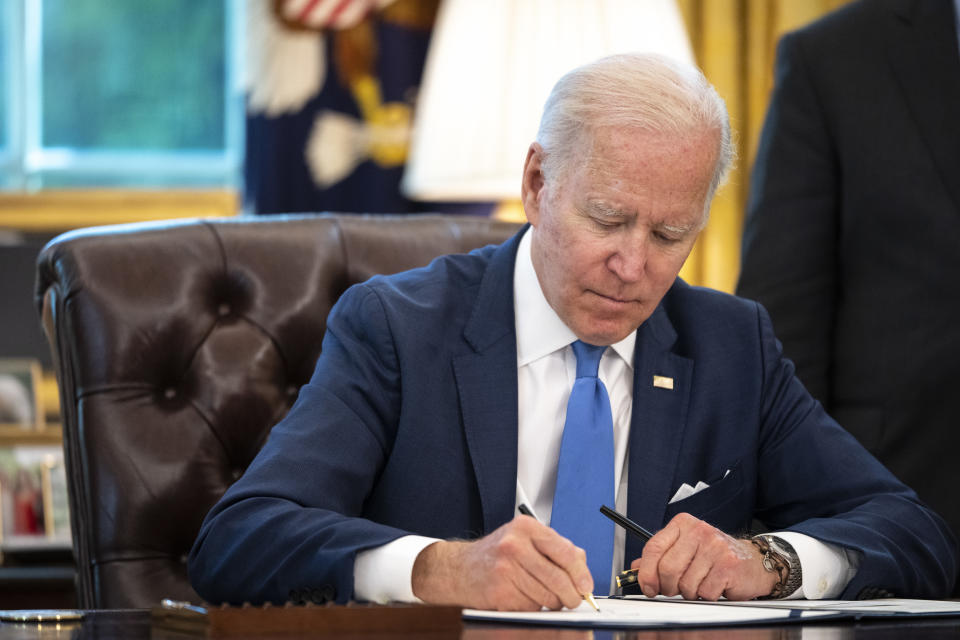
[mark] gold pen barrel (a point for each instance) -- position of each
(627, 578)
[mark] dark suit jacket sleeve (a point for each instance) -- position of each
(816, 479)
(290, 526)
(790, 234)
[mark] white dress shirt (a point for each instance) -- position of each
(546, 370)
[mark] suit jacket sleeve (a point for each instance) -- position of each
(291, 525)
(789, 260)
(815, 478)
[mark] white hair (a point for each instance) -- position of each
(635, 90)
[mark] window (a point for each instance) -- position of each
(4, 74)
(111, 93)
(7, 46)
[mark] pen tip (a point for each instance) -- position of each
(593, 603)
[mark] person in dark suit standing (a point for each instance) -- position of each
(852, 236)
(448, 396)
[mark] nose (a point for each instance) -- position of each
(629, 260)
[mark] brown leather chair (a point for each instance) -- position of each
(177, 347)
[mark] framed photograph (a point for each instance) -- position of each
(33, 496)
(20, 405)
(53, 484)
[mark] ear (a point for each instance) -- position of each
(533, 183)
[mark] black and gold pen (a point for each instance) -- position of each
(525, 510)
(630, 575)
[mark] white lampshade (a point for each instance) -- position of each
(490, 67)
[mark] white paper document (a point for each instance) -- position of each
(655, 613)
(869, 608)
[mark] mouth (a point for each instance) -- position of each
(614, 300)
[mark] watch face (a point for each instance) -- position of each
(780, 557)
(774, 544)
(777, 548)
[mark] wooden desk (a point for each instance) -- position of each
(135, 625)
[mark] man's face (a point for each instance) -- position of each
(610, 237)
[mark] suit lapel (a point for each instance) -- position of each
(487, 386)
(922, 49)
(657, 424)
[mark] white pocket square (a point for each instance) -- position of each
(685, 490)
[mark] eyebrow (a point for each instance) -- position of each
(681, 229)
(602, 208)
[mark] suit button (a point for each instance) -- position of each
(324, 594)
(874, 593)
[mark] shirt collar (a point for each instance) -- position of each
(540, 331)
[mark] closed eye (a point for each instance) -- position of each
(667, 238)
(606, 223)
(671, 234)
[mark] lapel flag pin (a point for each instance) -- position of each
(663, 382)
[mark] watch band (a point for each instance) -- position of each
(779, 557)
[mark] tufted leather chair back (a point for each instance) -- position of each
(177, 346)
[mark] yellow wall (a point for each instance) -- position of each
(734, 42)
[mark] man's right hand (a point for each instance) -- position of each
(522, 566)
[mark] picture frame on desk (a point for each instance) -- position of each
(21, 407)
(33, 497)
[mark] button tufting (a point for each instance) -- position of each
(170, 393)
(292, 390)
(223, 309)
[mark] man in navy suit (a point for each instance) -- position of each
(437, 406)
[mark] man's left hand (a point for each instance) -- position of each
(697, 560)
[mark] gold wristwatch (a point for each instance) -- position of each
(779, 557)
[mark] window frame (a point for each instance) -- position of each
(27, 166)
(12, 41)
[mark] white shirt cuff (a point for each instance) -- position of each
(827, 568)
(383, 574)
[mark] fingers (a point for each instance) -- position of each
(472, 574)
(691, 583)
(523, 565)
(691, 558)
(512, 586)
(526, 567)
(568, 562)
(558, 565)
(648, 565)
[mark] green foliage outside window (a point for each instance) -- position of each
(4, 37)
(133, 75)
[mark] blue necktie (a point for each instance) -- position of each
(585, 469)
